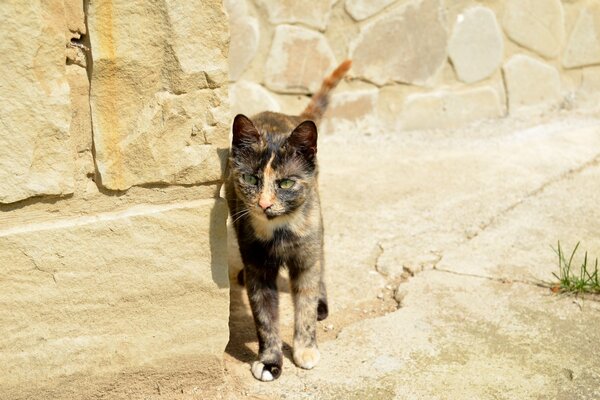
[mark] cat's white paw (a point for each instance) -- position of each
(264, 372)
(307, 357)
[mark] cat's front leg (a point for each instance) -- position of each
(305, 278)
(261, 285)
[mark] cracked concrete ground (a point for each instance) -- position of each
(438, 250)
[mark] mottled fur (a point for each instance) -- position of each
(280, 226)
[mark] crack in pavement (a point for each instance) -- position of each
(379, 250)
(564, 176)
(541, 284)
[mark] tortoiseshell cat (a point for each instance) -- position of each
(274, 203)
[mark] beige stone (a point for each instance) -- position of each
(591, 80)
(81, 126)
(156, 113)
(531, 85)
(536, 24)
(75, 17)
(312, 13)
(407, 45)
(140, 292)
(363, 9)
(236, 8)
(245, 36)
(351, 111)
(35, 148)
(200, 37)
(587, 94)
(250, 98)
(450, 109)
(298, 61)
(583, 47)
(476, 46)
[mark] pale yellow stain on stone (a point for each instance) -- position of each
(110, 120)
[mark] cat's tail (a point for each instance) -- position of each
(318, 104)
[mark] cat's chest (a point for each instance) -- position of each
(279, 230)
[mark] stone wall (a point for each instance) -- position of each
(418, 64)
(113, 137)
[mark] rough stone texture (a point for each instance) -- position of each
(81, 126)
(35, 148)
(250, 98)
(363, 9)
(531, 84)
(245, 36)
(75, 17)
(298, 61)
(445, 109)
(312, 13)
(120, 296)
(476, 46)
(156, 116)
(583, 47)
(351, 111)
(407, 45)
(536, 24)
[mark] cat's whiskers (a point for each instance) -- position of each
(239, 215)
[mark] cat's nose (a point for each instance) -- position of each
(264, 204)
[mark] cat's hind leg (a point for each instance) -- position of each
(322, 307)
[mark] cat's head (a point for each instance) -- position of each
(273, 173)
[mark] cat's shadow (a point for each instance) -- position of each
(243, 343)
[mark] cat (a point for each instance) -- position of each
(273, 199)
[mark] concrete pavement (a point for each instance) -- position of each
(437, 250)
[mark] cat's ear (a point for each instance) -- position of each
(244, 131)
(304, 138)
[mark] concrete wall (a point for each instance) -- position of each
(418, 64)
(113, 137)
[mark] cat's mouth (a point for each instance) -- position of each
(268, 214)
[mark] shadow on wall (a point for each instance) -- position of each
(217, 236)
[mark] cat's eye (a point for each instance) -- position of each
(250, 179)
(286, 183)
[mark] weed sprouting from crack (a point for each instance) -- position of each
(586, 280)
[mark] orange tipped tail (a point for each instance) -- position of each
(320, 100)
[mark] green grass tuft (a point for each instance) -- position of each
(571, 280)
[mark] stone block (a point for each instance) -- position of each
(536, 24)
(236, 8)
(476, 46)
(245, 36)
(312, 13)
(587, 95)
(352, 110)
(591, 80)
(446, 109)
(158, 95)
(407, 45)
(531, 85)
(75, 17)
(298, 61)
(91, 305)
(35, 112)
(81, 126)
(583, 47)
(363, 9)
(250, 98)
